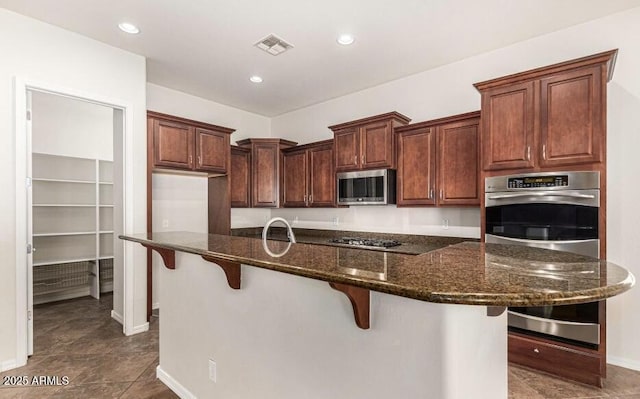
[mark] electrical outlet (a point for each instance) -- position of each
(165, 223)
(212, 370)
(336, 221)
(445, 224)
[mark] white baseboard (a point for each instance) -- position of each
(8, 365)
(174, 385)
(117, 317)
(140, 329)
(622, 362)
(155, 305)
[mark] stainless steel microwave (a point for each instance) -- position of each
(367, 187)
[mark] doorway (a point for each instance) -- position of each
(112, 179)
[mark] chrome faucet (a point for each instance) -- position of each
(290, 234)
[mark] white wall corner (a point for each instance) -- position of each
(174, 385)
(117, 317)
(155, 305)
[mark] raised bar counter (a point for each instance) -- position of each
(288, 335)
(466, 273)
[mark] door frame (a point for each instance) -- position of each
(22, 145)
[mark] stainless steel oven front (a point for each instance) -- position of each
(558, 211)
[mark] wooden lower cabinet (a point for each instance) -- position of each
(438, 162)
(573, 363)
(308, 176)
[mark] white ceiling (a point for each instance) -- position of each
(205, 47)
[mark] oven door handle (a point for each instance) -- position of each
(543, 194)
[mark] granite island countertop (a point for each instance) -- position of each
(469, 273)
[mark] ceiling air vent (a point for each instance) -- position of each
(273, 45)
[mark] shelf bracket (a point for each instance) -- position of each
(494, 311)
(360, 302)
(168, 255)
(231, 270)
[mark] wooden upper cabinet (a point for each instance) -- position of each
(211, 150)
(367, 143)
(572, 117)
(458, 162)
(240, 175)
(508, 123)
(438, 162)
(347, 149)
(172, 144)
(416, 167)
(183, 144)
(265, 170)
(547, 117)
(295, 179)
(322, 176)
(308, 176)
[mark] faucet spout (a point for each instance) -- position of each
(290, 234)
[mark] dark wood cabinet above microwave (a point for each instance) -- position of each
(367, 143)
(183, 144)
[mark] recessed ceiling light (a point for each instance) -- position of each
(346, 39)
(129, 28)
(256, 79)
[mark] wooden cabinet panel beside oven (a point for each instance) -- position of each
(188, 145)
(548, 117)
(367, 143)
(308, 176)
(438, 162)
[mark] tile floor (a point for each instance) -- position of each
(79, 340)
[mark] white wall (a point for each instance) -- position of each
(40, 52)
(282, 336)
(70, 127)
(448, 90)
(179, 201)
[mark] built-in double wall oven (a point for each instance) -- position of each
(558, 211)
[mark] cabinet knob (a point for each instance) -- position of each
(528, 153)
(441, 194)
(430, 193)
(536, 350)
(363, 158)
(355, 159)
(544, 152)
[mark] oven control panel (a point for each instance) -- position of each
(533, 181)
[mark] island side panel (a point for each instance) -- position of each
(283, 336)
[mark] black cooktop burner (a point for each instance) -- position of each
(365, 242)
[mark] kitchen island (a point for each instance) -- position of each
(418, 331)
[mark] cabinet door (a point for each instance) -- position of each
(212, 150)
(240, 176)
(265, 175)
(294, 179)
(376, 146)
(347, 150)
(322, 177)
(458, 161)
(507, 127)
(173, 144)
(572, 118)
(416, 167)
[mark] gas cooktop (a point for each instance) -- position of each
(365, 242)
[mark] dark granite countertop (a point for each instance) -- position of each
(412, 244)
(466, 273)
